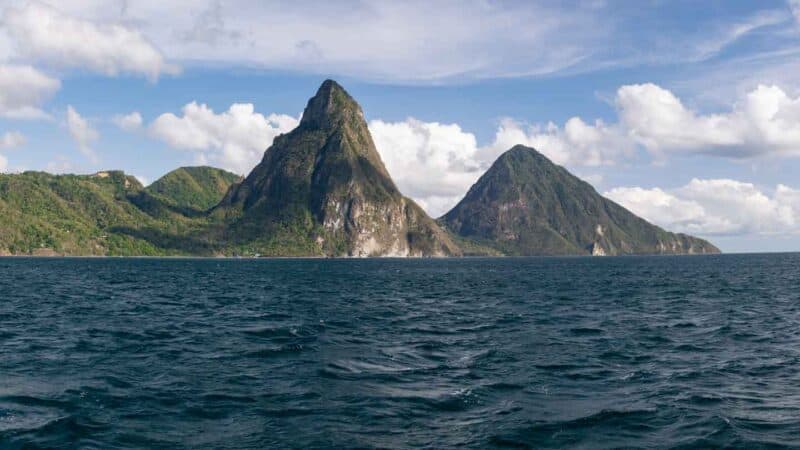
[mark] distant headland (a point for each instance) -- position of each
(322, 190)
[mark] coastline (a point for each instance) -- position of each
(311, 257)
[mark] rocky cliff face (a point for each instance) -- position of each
(526, 205)
(324, 187)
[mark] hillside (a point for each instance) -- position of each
(108, 213)
(526, 205)
(193, 188)
(70, 214)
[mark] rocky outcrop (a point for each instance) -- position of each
(324, 184)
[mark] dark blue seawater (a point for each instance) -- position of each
(477, 353)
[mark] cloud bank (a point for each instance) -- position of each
(716, 207)
(436, 163)
(431, 42)
(44, 34)
(234, 139)
(764, 122)
(432, 163)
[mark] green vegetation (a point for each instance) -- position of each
(526, 205)
(321, 190)
(77, 215)
(111, 213)
(193, 188)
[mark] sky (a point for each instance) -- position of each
(685, 112)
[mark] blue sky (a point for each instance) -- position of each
(687, 113)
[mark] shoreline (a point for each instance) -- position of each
(357, 258)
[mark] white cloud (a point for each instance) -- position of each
(426, 42)
(235, 139)
(657, 119)
(435, 164)
(577, 143)
(44, 34)
(430, 42)
(128, 122)
(432, 163)
(3, 163)
(414, 40)
(794, 5)
(209, 27)
(715, 207)
(22, 90)
(765, 122)
(82, 133)
(11, 139)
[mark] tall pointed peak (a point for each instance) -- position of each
(330, 106)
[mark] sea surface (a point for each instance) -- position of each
(651, 352)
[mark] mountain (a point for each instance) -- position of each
(322, 189)
(193, 188)
(526, 205)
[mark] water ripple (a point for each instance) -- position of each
(472, 353)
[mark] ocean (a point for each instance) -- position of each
(642, 352)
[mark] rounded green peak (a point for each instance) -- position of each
(330, 106)
(521, 154)
(521, 149)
